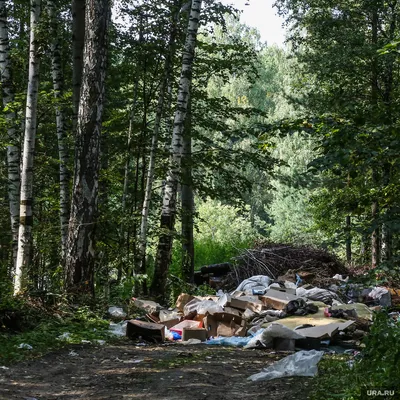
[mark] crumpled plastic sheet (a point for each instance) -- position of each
(202, 307)
(265, 337)
(235, 341)
(302, 363)
(317, 294)
(257, 282)
(117, 312)
(382, 295)
(118, 329)
(25, 346)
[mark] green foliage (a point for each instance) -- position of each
(221, 231)
(378, 365)
(43, 330)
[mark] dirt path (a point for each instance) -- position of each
(127, 371)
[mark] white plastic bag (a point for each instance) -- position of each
(257, 282)
(25, 346)
(302, 363)
(118, 329)
(166, 315)
(117, 312)
(208, 306)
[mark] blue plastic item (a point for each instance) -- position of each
(176, 335)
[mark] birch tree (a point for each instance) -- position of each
(78, 37)
(168, 211)
(57, 76)
(80, 257)
(168, 67)
(26, 198)
(13, 153)
(187, 199)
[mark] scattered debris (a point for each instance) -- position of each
(64, 336)
(25, 346)
(118, 329)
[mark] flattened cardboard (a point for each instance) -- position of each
(325, 331)
(182, 300)
(231, 310)
(276, 299)
(243, 302)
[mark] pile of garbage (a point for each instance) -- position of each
(283, 315)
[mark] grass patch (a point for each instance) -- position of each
(46, 335)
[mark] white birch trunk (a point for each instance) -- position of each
(168, 211)
(80, 258)
(154, 143)
(56, 71)
(26, 216)
(13, 152)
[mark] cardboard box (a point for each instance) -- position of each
(154, 317)
(182, 300)
(274, 299)
(223, 323)
(146, 330)
(243, 302)
(194, 333)
(231, 310)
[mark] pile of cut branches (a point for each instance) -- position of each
(283, 262)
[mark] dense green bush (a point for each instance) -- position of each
(377, 367)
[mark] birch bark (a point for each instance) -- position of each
(168, 212)
(13, 152)
(56, 69)
(80, 259)
(187, 199)
(168, 67)
(26, 200)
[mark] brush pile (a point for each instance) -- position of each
(284, 262)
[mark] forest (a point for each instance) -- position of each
(142, 140)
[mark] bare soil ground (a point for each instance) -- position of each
(125, 370)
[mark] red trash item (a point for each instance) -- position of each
(186, 324)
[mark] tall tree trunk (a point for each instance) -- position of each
(154, 141)
(80, 258)
(375, 242)
(56, 67)
(187, 202)
(78, 39)
(26, 200)
(13, 152)
(387, 235)
(348, 239)
(168, 212)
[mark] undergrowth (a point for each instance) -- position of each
(377, 367)
(43, 329)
